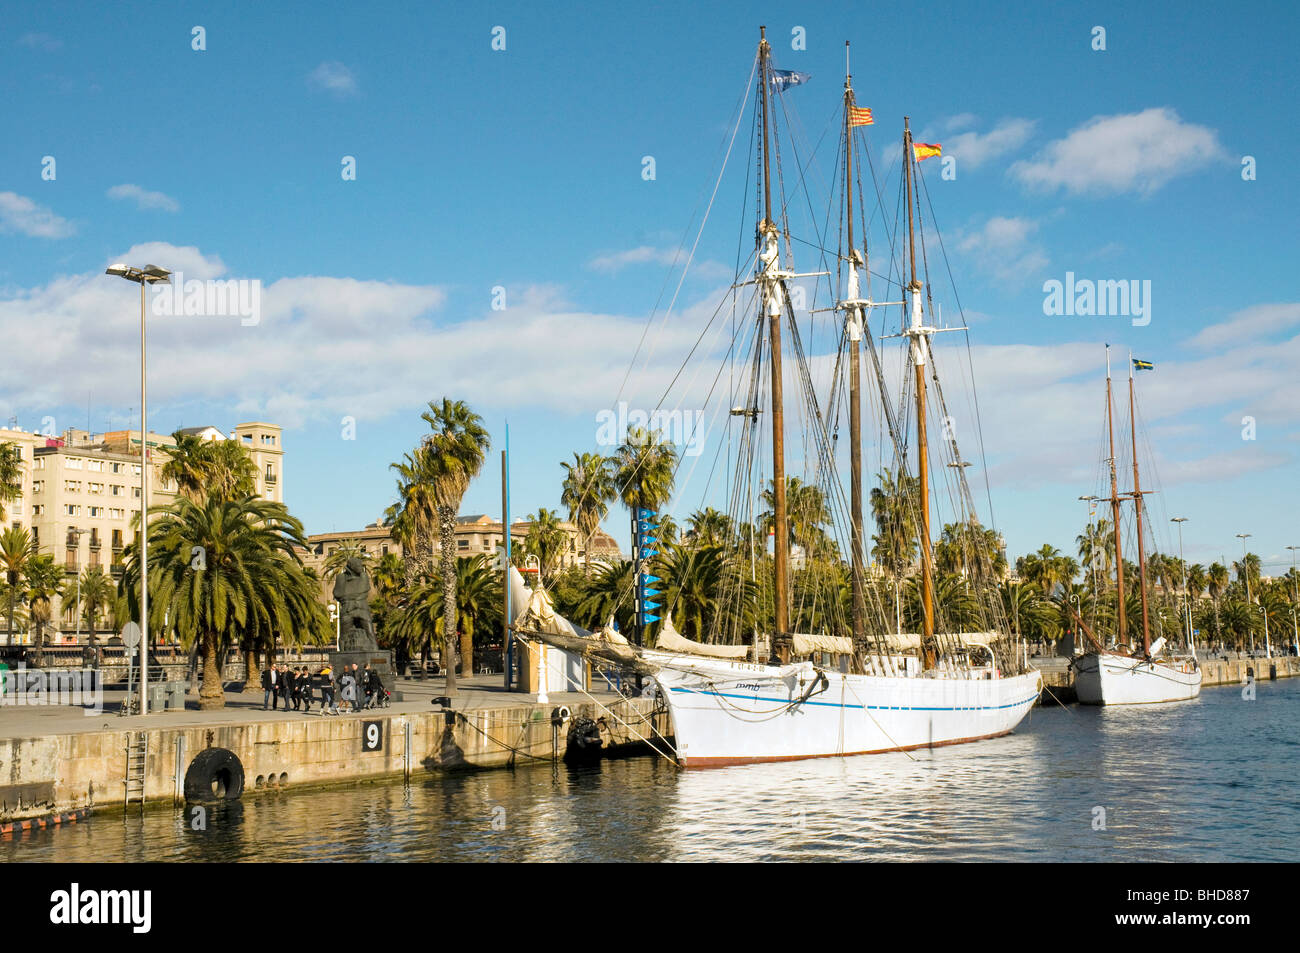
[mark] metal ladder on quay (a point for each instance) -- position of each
(137, 759)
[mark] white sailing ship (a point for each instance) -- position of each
(827, 695)
(1106, 675)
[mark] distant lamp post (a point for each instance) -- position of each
(78, 533)
(1268, 651)
(1187, 602)
(1245, 573)
(1295, 601)
(148, 275)
(334, 617)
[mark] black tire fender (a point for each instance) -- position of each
(215, 774)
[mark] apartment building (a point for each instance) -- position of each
(80, 492)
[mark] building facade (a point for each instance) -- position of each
(80, 492)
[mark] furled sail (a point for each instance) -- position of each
(670, 640)
(808, 644)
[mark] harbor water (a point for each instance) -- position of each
(1214, 779)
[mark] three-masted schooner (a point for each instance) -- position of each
(890, 692)
(1110, 675)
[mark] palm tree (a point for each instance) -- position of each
(188, 465)
(414, 518)
(16, 551)
(1217, 582)
(423, 622)
(42, 579)
(338, 558)
(608, 596)
(708, 527)
(96, 591)
(895, 511)
(200, 466)
(11, 474)
(450, 458)
(588, 490)
(546, 540)
(252, 583)
(645, 468)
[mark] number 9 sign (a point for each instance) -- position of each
(372, 736)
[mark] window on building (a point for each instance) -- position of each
(38, 509)
(95, 466)
(38, 485)
(462, 544)
(38, 463)
(135, 492)
(72, 509)
(117, 539)
(74, 463)
(117, 468)
(117, 489)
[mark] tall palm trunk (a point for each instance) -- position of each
(447, 515)
(252, 684)
(9, 639)
(211, 695)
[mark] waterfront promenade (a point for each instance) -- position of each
(60, 760)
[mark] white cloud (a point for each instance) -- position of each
(1003, 247)
(643, 254)
(1137, 152)
(1257, 321)
(324, 347)
(20, 214)
(143, 198)
(333, 77)
(614, 262)
(973, 149)
(41, 41)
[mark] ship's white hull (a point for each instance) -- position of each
(740, 713)
(1109, 679)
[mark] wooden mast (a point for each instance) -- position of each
(773, 303)
(919, 345)
(1137, 509)
(1122, 623)
(854, 330)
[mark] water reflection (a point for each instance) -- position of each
(1209, 780)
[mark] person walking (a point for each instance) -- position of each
(284, 685)
(368, 685)
(327, 705)
(295, 687)
(348, 684)
(304, 683)
(268, 687)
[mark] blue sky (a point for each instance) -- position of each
(522, 168)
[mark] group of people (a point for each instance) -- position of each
(280, 683)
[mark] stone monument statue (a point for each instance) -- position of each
(352, 592)
(357, 642)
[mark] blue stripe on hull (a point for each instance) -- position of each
(787, 701)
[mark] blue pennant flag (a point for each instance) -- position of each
(645, 514)
(781, 78)
(650, 580)
(651, 618)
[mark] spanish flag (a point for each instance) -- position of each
(924, 150)
(1143, 365)
(860, 116)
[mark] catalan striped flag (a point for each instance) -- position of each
(924, 150)
(1143, 365)
(860, 116)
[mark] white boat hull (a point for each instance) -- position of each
(1109, 679)
(741, 713)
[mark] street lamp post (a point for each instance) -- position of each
(1245, 572)
(76, 564)
(1268, 651)
(148, 275)
(1295, 585)
(1187, 603)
